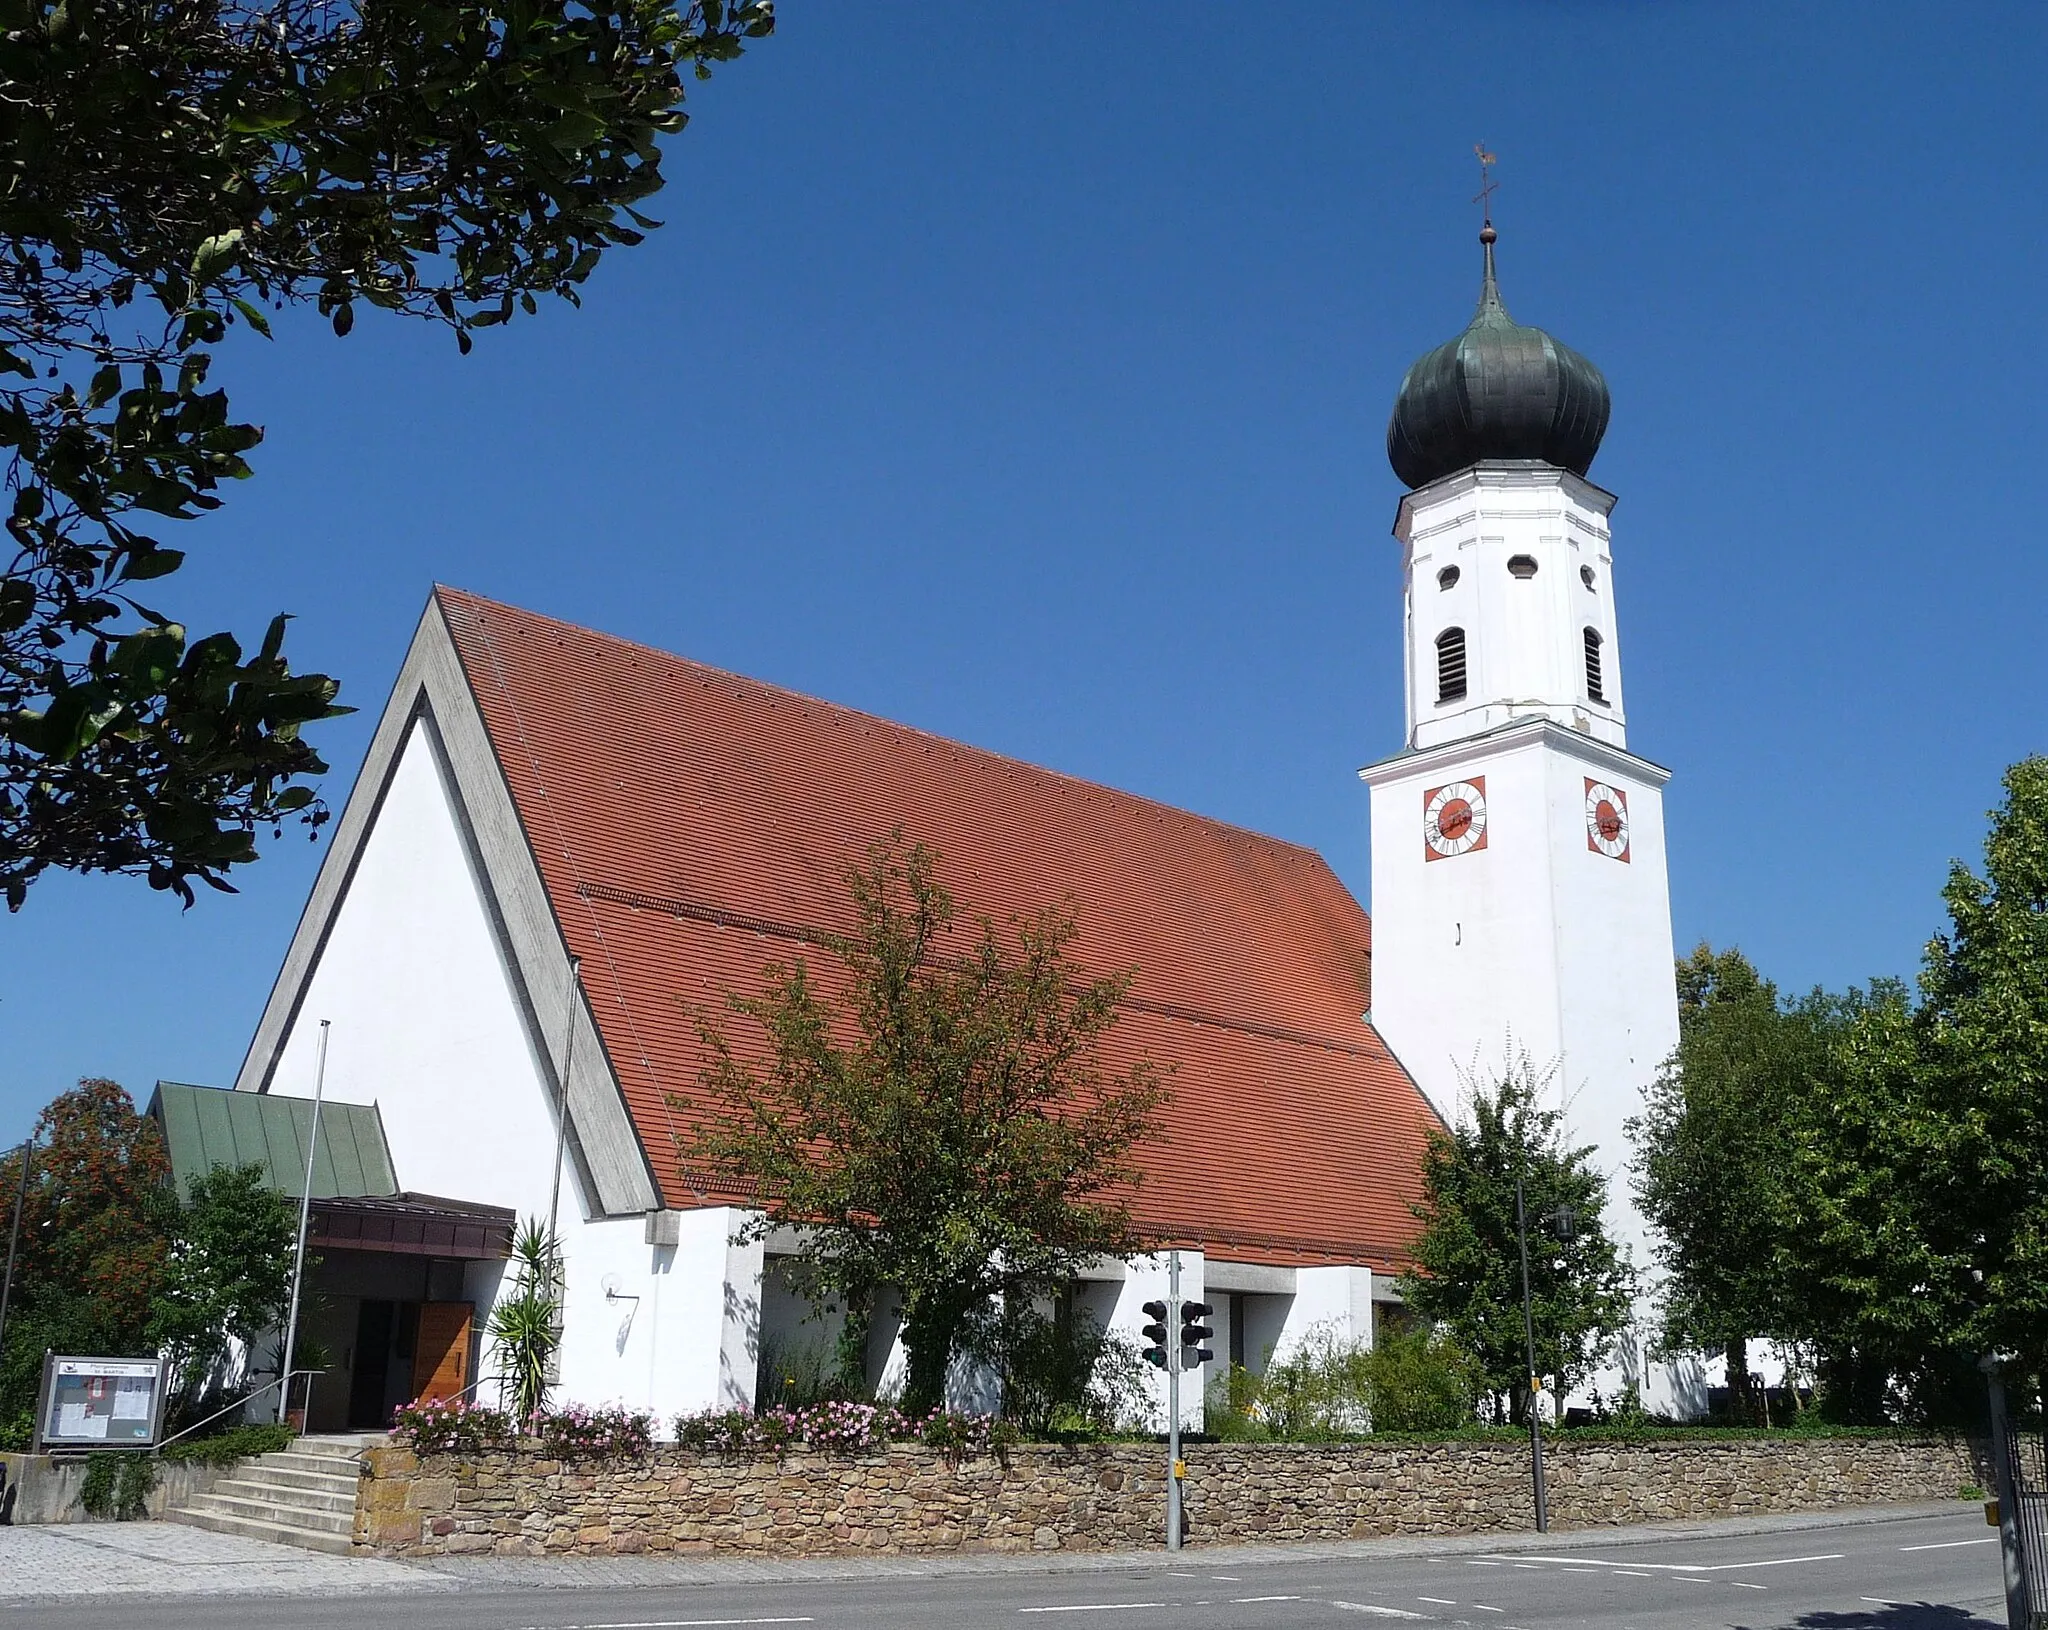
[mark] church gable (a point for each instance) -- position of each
(430, 943)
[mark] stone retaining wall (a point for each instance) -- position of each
(1107, 1496)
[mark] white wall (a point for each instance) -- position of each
(1536, 944)
(1525, 637)
(426, 1023)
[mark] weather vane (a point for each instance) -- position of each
(1487, 185)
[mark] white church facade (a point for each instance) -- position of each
(564, 849)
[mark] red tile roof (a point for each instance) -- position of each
(693, 826)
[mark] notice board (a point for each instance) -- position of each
(99, 1403)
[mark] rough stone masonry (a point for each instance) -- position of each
(909, 1499)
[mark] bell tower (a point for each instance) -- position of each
(1519, 896)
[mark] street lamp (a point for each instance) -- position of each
(1561, 1222)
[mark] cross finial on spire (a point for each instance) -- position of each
(1487, 187)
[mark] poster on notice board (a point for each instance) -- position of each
(99, 1403)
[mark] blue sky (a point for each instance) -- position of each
(1022, 373)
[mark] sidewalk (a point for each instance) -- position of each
(164, 1559)
(169, 1559)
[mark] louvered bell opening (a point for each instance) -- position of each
(1594, 687)
(1450, 666)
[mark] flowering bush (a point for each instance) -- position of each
(439, 1425)
(841, 1428)
(614, 1432)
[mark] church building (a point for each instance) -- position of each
(565, 850)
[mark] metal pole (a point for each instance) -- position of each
(1173, 1352)
(2017, 1608)
(562, 1103)
(28, 1155)
(291, 1328)
(1535, 1382)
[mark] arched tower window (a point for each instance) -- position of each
(1450, 666)
(1595, 687)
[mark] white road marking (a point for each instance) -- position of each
(1631, 1573)
(1681, 1567)
(1470, 1563)
(1576, 1569)
(1744, 1584)
(1951, 1544)
(1227, 1578)
(1239, 1600)
(1374, 1607)
(1883, 1601)
(1091, 1607)
(1441, 1601)
(1481, 1607)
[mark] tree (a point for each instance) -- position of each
(95, 1237)
(226, 1281)
(945, 1125)
(1712, 1151)
(1467, 1275)
(169, 172)
(1923, 1167)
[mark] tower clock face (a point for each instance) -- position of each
(1454, 819)
(1606, 820)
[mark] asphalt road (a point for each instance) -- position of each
(1928, 1573)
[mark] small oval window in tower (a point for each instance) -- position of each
(1450, 666)
(1522, 566)
(1595, 688)
(1586, 576)
(1447, 578)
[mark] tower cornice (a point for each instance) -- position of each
(1450, 756)
(1501, 475)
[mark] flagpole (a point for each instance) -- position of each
(291, 1329)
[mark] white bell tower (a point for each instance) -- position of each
(1519, 897)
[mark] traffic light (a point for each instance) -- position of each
(1155, 1333)
(1193, 1332)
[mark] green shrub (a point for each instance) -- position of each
(236, 1443)
(1061, 1373)
(1333, 1387)
(117, 1486)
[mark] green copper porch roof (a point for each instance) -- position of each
(204, 1127)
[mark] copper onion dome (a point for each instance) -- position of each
(1497, 391)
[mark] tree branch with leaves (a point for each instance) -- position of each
(169, 173)
(945, 1126)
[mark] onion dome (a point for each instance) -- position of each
(1498, 390)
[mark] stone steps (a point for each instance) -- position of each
(303, 1496)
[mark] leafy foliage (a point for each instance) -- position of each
(168, 173)
(1864, 1175)
(526, 1327)
(1921, 1169)
(236, 1443)
(96, 1236)
(1713, 1157)
(227, 1280)
(1332, 1386)
(1060, 1371)
(1468, 1265)
(117, 1486)
(947, 1129)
